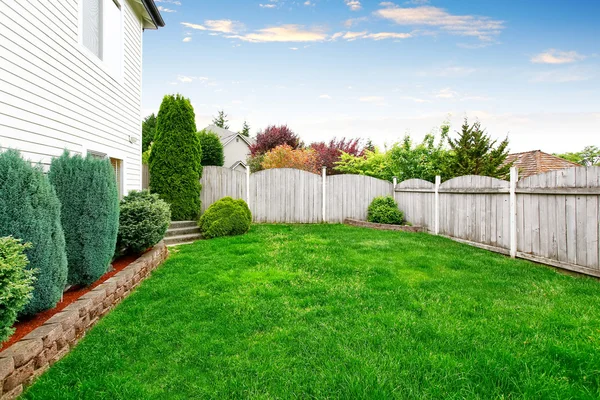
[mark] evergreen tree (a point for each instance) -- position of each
(245, 129)
(221, 120)
(475, 153)
(212, 149)
(176, 158)
(148, 131)
(370, 146)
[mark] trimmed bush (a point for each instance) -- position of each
(176, 158)
(16, 283)
(143, 222)
(30, 211)
(212, 149)
(384, 210)
(87, 190)
(226, 217)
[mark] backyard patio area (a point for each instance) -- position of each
(331, 311)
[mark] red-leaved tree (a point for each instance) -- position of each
(287, 157)
(329, 153)
(272, 137)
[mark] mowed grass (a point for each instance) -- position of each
(339, 312)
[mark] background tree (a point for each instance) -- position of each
(328, 154)
(212, 148)
(176, 158)
(589, 156)
(372, 163)
(272, 137)
(30, 211)
(221, 120)
(286, 157)
(475, 153)
(148, 131)
(245, 130)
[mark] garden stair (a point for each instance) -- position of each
(182, 232)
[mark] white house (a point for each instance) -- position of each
(236, 147)
(71, 78)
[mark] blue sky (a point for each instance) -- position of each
(379, 70)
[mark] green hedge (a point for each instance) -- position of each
(212, 149)
(30, 210)
(176, 158)
(16, 283)
(87, 190)
(384, 210)
(143, 222)
(226, 217)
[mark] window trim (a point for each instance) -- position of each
(108, 153)
(120, 77)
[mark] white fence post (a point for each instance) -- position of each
(436, 221)
(248, 185)
(394, 187)
(324, 190)
(514, 177)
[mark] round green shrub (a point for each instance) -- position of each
(384, 210)
(87, 191)
(16, 283)
(212, 149)
(143, 222)
(30, 211)
(226, 217)
(176, 158)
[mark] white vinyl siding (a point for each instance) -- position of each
(55, 95)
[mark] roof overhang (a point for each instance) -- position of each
(151, 17)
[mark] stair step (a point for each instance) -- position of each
(173, 240)
(182, 224)
(182, 231)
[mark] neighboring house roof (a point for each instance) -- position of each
(536, 161)
(152, 17)
(235, 165)
(226, 135)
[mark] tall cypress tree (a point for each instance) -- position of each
(475, 153)
(176, 158)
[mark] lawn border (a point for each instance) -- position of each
(30, 357)
(383, 227)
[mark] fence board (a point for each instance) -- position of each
(416, 198)
(349, 196)
(219, 182)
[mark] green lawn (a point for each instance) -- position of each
(329, 311)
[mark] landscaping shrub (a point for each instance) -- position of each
(212, 149)
(16, 283)
(143, 221)
(176, 158)
(87, 190)
(30, 211)
(226, 217)
(384, 210)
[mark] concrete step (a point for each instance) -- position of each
(182, 231)
(182, 224)
(182, 239)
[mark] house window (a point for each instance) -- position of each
(118, 168)
(101, 32)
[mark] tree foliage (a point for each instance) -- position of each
(176, 158)
(87, 191)
(226, 217)
(286, 157)
(16, 283)
(328, 154)
(272, 137)
(148, 131)
(212, 148)
(588, 157)
(30, 211)
(475, 153)
(245, 129)
(221, 120)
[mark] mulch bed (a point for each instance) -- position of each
(23, 327)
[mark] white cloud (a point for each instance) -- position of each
(563, 76)
(189, 79)
(484, 28)
(354, 5)
(293, 48)
(325, 96)
(174, 2)
(553, 56)
(166, 10)
(283, 33)
(217, 26)
(350, 36)
(349, 23)
(194, 26)
(308, 3)
(267, 5)
(446, 93)
(187, 39)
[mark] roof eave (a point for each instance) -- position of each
(154, 14)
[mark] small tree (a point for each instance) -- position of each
(286, 157)
(30, 211)
(475, 153)
(588, 157)
(148, 131)
(328, 154)
(87, 190)
(245, 130)
(176, 158)
(272, 137)
(212, 149)
(221, 120)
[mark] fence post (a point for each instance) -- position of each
(514, 177)
(394, 187)
(436, 222)
(248, 185)
(324, 190)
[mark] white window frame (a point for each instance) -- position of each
(118, 77)
(91, 148)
